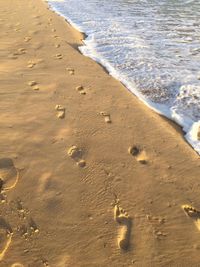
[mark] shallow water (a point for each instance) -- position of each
(152, 46)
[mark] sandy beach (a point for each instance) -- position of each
(89, 176)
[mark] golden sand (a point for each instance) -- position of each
(76, 146)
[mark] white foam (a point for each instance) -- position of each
(192, 136)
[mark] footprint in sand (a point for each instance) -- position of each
(28, 229)
(81, 90)
(27, 39)
(20, 51)
(193, 213)
(81, 163)
(60, 111)
(9, 175)
(138, 153)
(23, 231)
(17, 29)
(5, 237)
(58, 56)
(31, 64)
(55, 36)
(3, 197)
(22, 212)
(33, 225)
(34, 85)
(70, 71)
(76, 154)
(121, 217)
(106, 116)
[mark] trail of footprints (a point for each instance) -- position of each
(139, 154)
(9, 175)
(125, 223)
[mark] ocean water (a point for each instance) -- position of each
(151, 46)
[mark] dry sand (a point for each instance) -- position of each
(89, 175)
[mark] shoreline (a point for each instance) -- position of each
(189, 131)
(76, 149)
(175, 124)
(84, 36)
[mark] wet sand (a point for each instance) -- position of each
(89, 176)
